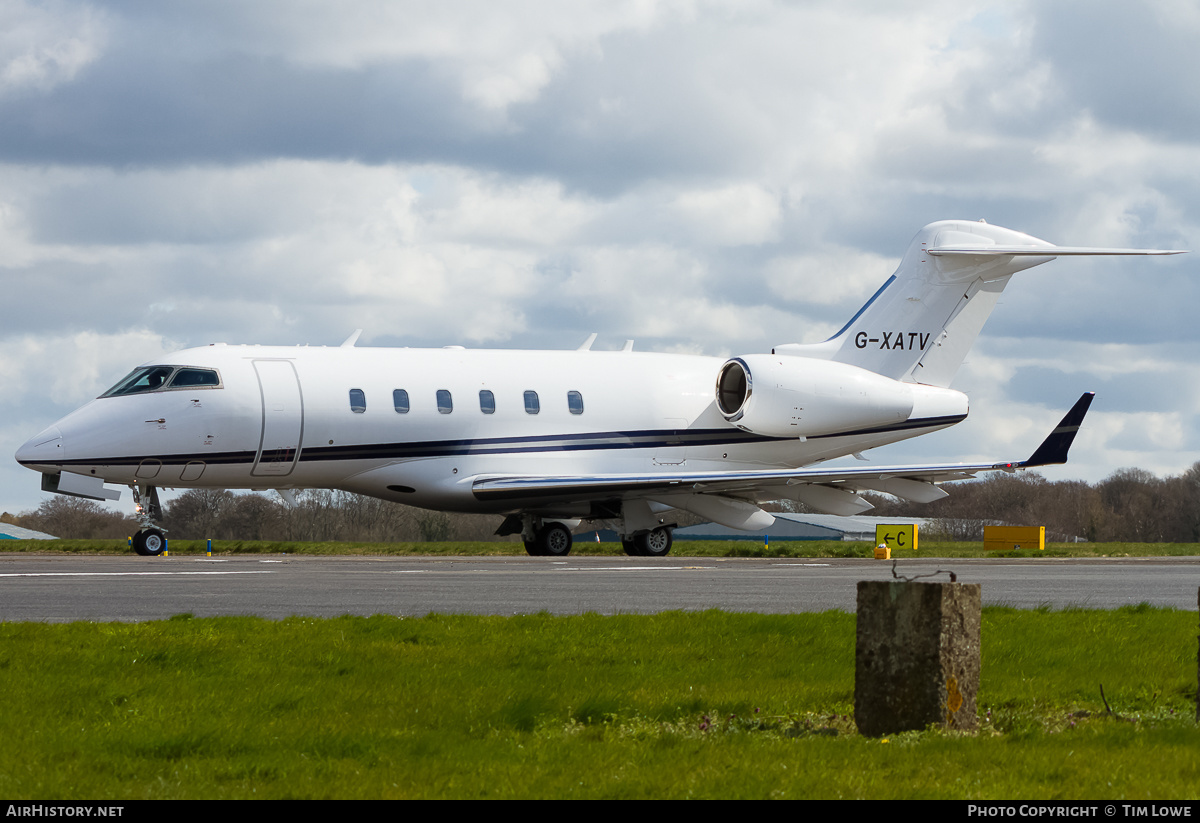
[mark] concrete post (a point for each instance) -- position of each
(916, 659)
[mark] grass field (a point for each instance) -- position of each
(693, 705)
(682, 548)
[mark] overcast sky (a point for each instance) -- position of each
(700, 176)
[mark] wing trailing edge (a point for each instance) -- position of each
(915, 482)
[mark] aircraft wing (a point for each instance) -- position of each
(914, 482)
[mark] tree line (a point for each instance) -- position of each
(318, 515)
(1130, 505)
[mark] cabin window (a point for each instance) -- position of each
(400, 401)
(532, 404)
(358, 401)
(487, 402)
(445, 403)
(194, 378)
(575, 402)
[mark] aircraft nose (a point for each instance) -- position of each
(46, 447)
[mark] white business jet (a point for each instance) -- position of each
(554, 438)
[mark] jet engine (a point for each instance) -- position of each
(788, 396)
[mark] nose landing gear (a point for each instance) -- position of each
(150, 540)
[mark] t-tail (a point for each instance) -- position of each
(922, 322)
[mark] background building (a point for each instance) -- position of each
(802, 527)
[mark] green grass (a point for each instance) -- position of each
(583, 547)
(707, 704)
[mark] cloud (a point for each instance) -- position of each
(46, 45)
(69, 367)
(838, 277)
(731, 215)
(1131, 65)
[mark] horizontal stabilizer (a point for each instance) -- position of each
(1054, 448)
(1044, 251)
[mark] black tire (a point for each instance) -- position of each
(149, 542)
(554, 540)
(533, 548)
(630, 547)
(656, 543)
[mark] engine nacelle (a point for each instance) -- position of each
(787, 396)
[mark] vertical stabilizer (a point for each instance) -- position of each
(920, 325)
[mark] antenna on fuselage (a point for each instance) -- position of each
(587, 344)
(352, 339)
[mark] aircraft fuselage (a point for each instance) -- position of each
(418, 425)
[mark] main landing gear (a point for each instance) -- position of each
(653, 543)
(551, 540)
(149, 540)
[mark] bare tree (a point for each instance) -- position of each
(76, 518)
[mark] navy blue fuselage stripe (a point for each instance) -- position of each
(587, 441)
(866, 306)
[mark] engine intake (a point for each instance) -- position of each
(734, 387)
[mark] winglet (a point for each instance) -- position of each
(1054, 448)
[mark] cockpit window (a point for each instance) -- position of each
(190, 378)
(146, 379)
(162, 378)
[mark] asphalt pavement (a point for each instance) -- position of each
(61, 588)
